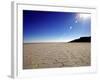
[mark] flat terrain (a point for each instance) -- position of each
(52, 55)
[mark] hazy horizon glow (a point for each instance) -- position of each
(46, 26)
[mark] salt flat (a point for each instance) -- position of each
(52, 55)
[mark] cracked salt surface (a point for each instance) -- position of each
(55, 55)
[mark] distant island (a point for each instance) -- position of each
(82, 39)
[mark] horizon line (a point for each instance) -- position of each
(55, 41)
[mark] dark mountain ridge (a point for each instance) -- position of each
(82, 39)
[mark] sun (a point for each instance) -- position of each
(84, 16)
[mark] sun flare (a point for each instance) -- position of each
(84, 16)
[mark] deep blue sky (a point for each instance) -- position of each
(46, 26)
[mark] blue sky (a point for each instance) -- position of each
(47, 26)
